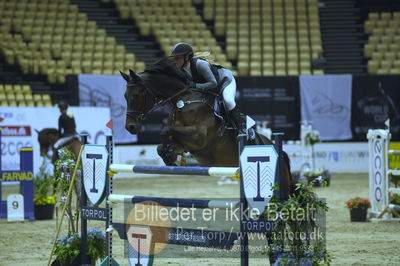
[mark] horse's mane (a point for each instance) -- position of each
(50, 131)
(168, 67)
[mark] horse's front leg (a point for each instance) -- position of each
(167, 153)
(174, 140)
(54, 155)
(167, 150)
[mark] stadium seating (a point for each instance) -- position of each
(383, 46)
(172, 21)
(268, 37)
(55, 39)
(21, 95)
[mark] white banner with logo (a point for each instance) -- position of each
(107, 91)
(20, 124)
(326, 102)
(338, 157)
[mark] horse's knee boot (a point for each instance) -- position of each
(167, 154)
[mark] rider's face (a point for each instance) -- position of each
(180, 60)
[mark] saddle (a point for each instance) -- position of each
(221, 113)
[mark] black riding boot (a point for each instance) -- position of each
(239, 121)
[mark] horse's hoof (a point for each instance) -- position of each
(180, 161)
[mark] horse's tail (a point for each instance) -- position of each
(292, 185)
(260, 140)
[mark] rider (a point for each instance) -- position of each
(66, 125)
(206, 76)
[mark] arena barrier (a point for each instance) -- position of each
(98, 183)
(25, 178)
(379, 176)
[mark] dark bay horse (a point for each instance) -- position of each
(192, 126)
(47, 137)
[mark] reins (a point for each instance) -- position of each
(161, 102)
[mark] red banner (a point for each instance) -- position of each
(16, 131)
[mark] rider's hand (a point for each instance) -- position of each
(191, 84)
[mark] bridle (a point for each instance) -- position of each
(158, 103)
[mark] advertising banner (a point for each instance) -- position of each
(326, 102)
(20, 124)
(271, 99)
(337, 157)
(108, 91)
(375, 99)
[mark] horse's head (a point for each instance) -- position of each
(43, 142)
(139, 100)
(160, 81)
(46, 138)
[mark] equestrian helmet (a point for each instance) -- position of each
(182, 48)
(63, 105)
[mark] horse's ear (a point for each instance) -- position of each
(125, 76)
(37, 131)
(135, 76)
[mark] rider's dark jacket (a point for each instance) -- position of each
(208, 76)
(66, 125)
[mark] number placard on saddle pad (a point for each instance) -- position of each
(94, 164)
(258, 172)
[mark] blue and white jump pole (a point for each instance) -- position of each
(174, 170)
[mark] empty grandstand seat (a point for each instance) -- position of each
(270, 27)
(52, 35)
(383, 42)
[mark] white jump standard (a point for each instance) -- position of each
(379, 176)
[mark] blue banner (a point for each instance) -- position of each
(326, 102)
(107, 91)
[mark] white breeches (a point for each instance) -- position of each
(62, 141)
(228, 94)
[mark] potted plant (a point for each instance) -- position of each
(44, 198)
(312, 137)
(63, 171)
(395, 179)
(317, 176)
(67, 248)
(295, 241)
(358, 209)
(395, 198)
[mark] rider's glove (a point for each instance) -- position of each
(191, 84)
